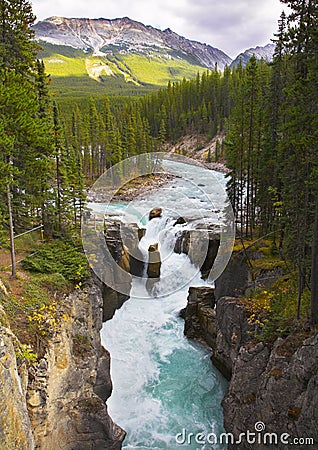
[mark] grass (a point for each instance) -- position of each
(78, 74)
(272, 311)
(33, 301)
(63, 66)
(157, 70)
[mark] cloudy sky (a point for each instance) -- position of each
(230, 25)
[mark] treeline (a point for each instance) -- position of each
(268, 113)
(109, 131)
(41, 179)
(272, 146)
(105, 134)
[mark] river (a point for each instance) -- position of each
(164, 385)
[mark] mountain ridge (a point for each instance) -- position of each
(123, 35)
(266, 52)
(121, 56)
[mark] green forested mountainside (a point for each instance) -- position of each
(75, 73)
(267, 112)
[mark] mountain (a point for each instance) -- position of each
(266, 53)
(103, 37)
(121, 53)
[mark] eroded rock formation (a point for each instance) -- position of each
(15, 427)
(60, 402)
(274, 385)
(201, 246)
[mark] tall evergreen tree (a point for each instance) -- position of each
(17, 48)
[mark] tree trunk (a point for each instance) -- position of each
(12, 249)
(58, 185)
(314, 273)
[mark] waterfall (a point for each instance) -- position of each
(163, 383)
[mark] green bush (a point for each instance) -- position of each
(25, 353)
(59, 257)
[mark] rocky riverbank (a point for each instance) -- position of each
(131, 190)
(275, 385)
(197, 147)
(60, 402)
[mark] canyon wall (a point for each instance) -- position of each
(60, 403)
(275, 385)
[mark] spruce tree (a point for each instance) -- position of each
(17, 48)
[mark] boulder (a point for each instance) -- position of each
(154, 262)
(180, 221)
(155, 212)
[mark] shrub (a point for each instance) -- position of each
(26, 354)
(59, 257)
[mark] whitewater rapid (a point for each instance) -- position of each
(163, 383)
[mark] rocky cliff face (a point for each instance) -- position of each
(190, 243)
(103, 36)
(277, 387)
(273, 385)
(224, 327)
(266, 53)
(15, 428)
(61, 402)
(199, 315)
(67, 393)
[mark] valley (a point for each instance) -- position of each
(122, 57)
(158, 229)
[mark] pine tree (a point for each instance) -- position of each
(17, 51)
(24, 150)
(17, 48)
(298, 137)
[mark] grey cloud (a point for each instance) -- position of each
(231, 25)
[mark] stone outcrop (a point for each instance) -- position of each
(201, 252)
(121, 241)
(60, 402)
(154, 262)
(235, 279)
(153, 269)
(224, 328)
(274, 385)
(68, 389)
(240, 276)
(232, 331)
(112, 300)
(199, 315)
(277, 387)
(15, 427)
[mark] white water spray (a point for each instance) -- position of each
(162, 381)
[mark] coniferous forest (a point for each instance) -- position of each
(51, 152)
